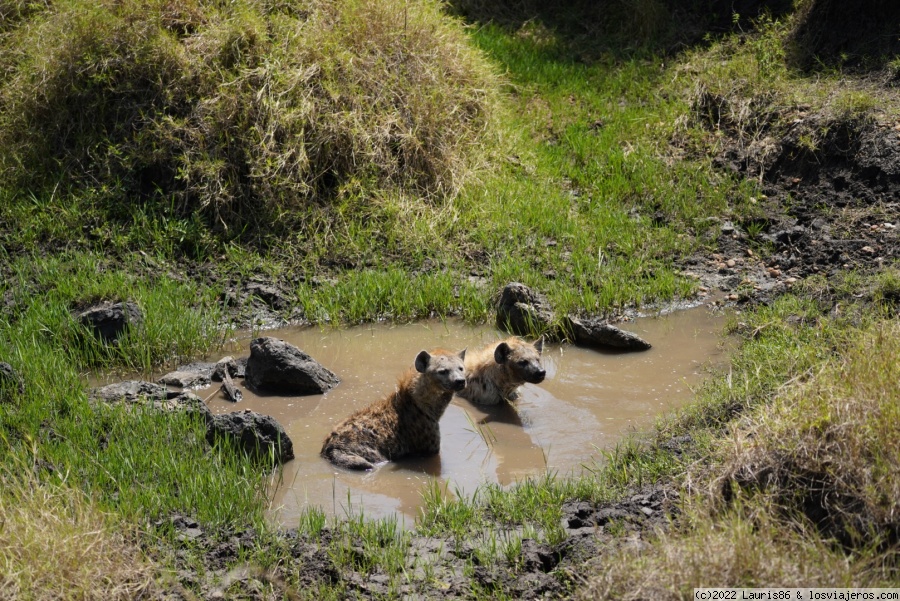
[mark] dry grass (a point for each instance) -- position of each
(54, 544)
(730, 551)
(245, 111)
(804, 492)
(828, 448)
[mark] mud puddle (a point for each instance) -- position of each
(589, 400)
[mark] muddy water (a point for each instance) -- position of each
(589, 400)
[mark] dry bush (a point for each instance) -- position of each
(828, 449)
(54, 544)
(806, 492)
(725, 551)
(247, 110)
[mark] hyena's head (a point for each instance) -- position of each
(443, 367)
(523, 359)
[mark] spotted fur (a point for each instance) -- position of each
(494, 373)
(405, 422)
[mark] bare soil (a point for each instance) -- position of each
(823, 211)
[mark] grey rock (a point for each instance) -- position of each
(522, 311)
(109, 321)
(203, 367)
(592, 332)
(260, 436)
(11, 383)
(185, 379)
(236, 368)
(148, 394)
(278, 365)
(183, 401)
(130, 391)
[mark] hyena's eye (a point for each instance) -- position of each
(444, 371)
(522, 362)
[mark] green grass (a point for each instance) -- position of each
(584, 179)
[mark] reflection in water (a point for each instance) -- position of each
(588, 401)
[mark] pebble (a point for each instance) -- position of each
(791, 280)
(868, 249)
(731, 262)
(749, 252)
(732, 297)
(888, 226)
(774, 272)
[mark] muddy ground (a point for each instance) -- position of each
(822, 211)
(541, 571)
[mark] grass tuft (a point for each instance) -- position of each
(56, 544)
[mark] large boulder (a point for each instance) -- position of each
(108, 321)
(278, 365)
(598, 333)
(260, 436)
(523, 311)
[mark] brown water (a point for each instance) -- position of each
(589, 400)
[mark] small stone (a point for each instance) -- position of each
(774, 272)
(185, 379)
(647, 511)
(730, 263)
(749, 252)
(703, 289)
(868, 250)
(888, 226)
(733, 297)
(791, 280)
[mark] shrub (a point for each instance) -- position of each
(246, 111)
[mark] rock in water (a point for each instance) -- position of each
(590, 332)
(257, 435)
(522, 311)
(277, 365)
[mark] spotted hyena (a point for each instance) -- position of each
(404, 423)
(495, 372)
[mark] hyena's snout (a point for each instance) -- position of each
(457, 382)
(532, 371)
(537, 375)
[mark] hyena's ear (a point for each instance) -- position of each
(501, 353)
(539, 345)
(422, 361)
(462, 354)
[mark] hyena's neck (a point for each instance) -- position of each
(429, 396)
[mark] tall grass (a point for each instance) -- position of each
(245, 113)
(56, 544)
(141, 463)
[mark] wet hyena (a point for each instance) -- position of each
(404, 423)
(495, 372)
